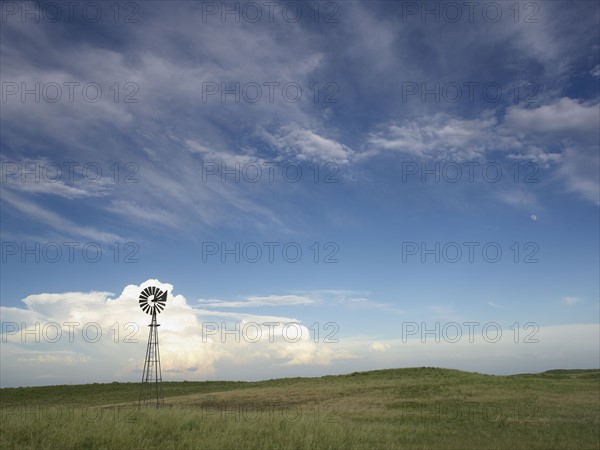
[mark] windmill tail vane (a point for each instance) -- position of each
(152, 301)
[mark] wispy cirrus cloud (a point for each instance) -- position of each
(57, 221)
(254, 301)
(563, 136)
(306, 144)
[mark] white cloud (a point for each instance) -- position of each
(351, 300)
(580, 171)
(186, 355)
(62, 358)
(548, 347)
(270, 300)
(569, 301)
(441, 137)
(35, 212)
(379, 347)
(222, 157)
(573, 125)
(517, 197)
(42, 176)
(563, 135)
(61, 330)
(308, 145)
(537, 155)
(170, 130)
(366, 303)
(565, 115)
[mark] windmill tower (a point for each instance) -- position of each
(152, 301)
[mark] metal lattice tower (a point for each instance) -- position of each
(152, 301)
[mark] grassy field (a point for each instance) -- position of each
(396, 408)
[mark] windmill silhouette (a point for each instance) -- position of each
(152, 301)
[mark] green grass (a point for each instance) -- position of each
(396, 408)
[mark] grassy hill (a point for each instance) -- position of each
(396, 408)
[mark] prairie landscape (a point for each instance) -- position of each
(299, 224)
(396, 408)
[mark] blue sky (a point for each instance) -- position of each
(370, 101)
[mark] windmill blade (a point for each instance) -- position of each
(152, 300)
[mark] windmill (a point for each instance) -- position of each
(152, 301)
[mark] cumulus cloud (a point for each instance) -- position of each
(91, 336)
(85, 337)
